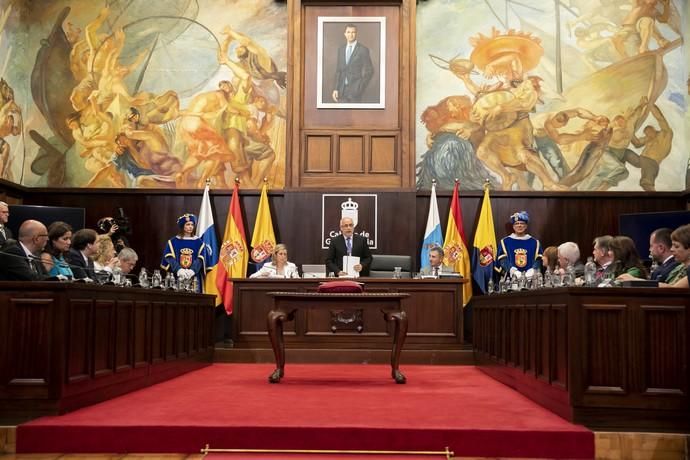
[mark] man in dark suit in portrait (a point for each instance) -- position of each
(5, 233)
(354, 69)
(19, 260)
(80, 254)
(348, 244)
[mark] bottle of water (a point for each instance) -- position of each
(548, 278)
(569, 275)
(143, 278)
(654, 265)
(490, 287)
(195, 284)
(539, 281)
(590, 272)
(117, 276)
(156, 279)
(514, 282)
(169, 281)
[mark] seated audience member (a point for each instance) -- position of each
(435, 267)
(569, 255)
(348, 244)
(19, 260)
(680, 247)
(549, 259)
(519, 252)
(5, 233)
(59, 242)
(184, 254)
(278, 267)
(127, 260)
(660, 244)
(80, 255)
(105, 258)
(625, 258)
(601, 252)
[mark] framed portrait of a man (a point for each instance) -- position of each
(351, 62)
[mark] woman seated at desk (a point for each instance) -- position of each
(278, 267)
(59, 242)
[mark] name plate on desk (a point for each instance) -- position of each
(640, 283)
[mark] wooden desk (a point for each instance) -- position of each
(68, 345)
(609, 358)
(433, 309)
(285, 304)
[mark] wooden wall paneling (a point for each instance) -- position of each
(543, 358)
(80, 321)
(605, 332)
(157, 334)
(170, 333)
(124, 336)
(559, 352)
(318, 154)
(350, 155)
(664, 346)
(384, 155)
(28, 341)
(142, 325)
(103, 330)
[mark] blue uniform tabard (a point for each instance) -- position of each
(522, 253)
(185, 253)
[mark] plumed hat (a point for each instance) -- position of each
(520, 216)
(184, 218)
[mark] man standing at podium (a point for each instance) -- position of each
(348, 244)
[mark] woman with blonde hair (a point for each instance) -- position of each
(278, 267)
(105, 259)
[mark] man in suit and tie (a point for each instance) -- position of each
(660, 250)
(5, 233)
(19, 260)
(354, 69)
(435, 267)
(80, 254)
(348, 244)
(602, 255)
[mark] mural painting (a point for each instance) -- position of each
(585, 95)
(163, 94)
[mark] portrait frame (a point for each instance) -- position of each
(330, 40)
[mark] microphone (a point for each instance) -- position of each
(32, 257)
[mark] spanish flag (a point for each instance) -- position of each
(455, 248)
(263, 238)
(233, 252)
(484, 246)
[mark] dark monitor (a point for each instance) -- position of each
(640, 226)
(46, 215)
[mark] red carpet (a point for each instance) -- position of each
(316, 407)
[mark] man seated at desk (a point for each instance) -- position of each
(348, 244)
(19, 260)
(435, 267)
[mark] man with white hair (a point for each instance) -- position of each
(5, 233)
(569, 255)
(128, 259)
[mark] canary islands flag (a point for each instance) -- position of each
(233, 252)
(484, 246)
(206, 230)
(263, 238)
(455, 247)
(432, 235)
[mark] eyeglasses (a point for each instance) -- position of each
(41, 235)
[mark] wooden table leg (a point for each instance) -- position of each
(399, 336)
(275, 320)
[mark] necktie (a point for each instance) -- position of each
(348, 244)
(435, 271)
(2, 231)
(348, 53)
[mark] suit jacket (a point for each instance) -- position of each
(662, 271)
(337, 250)
(6, 236)
(15, 266)
(352, 78)
(426, 271)
(80, 268)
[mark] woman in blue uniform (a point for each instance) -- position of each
(519, 252)
(184, 254)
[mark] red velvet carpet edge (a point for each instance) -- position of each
(316, 407)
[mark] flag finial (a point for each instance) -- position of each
(487, 183)
(266, 180)
(208, 182)
(237, 180)
(457, 181)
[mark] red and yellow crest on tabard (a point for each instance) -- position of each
(486, 255)
(231, 252)
(520, 258)
(186, 257)
(262, 251)
(453, 253)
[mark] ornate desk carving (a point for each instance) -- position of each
(286, 304)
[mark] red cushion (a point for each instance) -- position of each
(340, 286)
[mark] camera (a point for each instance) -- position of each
(121, 220)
